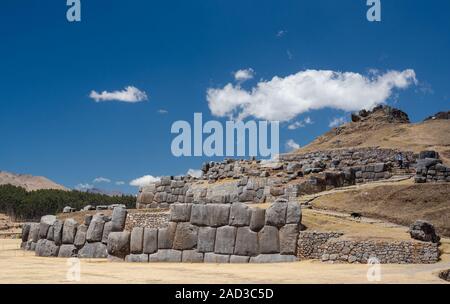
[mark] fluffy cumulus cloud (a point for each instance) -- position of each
(337, 121)
(144, 180)
(83, 187)
(292, 145)
(101, 180)
(195, 173)
(300, 123)
(283, 98)
(129, 94)
(243, 75)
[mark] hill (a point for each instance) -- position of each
(29, 182)
(386, 127)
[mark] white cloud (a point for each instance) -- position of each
(120, 183)
(281, 33)
(101, 180)
(243, 75)
(300, 123)
(162, 111)
(283, 98)
(83, 187)
(195, 173)
(129, 94)
(144, 180)
(292, 145)
(337, 121)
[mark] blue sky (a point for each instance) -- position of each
(175, 51)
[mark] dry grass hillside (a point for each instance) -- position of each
(428, 135)
(29, 182)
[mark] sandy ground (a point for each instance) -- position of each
(18, 266)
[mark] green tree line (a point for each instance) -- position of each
(22, 205)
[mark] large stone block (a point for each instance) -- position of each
(276, 214)
(150, 243)
(218, 214)
(46, 248)
(273, 258)
(185, 236)
(25, 231)
(166, 255)
(119, 217)
(211, 257)
(239, 259)
(69, 231)
(240, 215)
(192, 256)
(119, 244)
(95, 230)
(246, 242)
(258, 219)
(199, 215)
(80, 237)
(34, 232)
(288, 239)
(44, 224)
(50, 233)
(225, 240)
(166, 236)
(293, 213)
(180, 212)
(95, 250)
(137, 240)
(206, 239)
(137, 258)
(269, 240)
(57, 232)
(106, 231)
(67, 251)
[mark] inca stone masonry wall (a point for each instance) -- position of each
(331, 247)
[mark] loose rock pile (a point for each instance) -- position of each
(214, 233)
(423, 231)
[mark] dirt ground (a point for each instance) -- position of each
(18, 266)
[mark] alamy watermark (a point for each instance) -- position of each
(74, 12)
(374, 271)
(232, 140)
(374, 12)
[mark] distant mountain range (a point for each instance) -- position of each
(105, 192)
(29, 182)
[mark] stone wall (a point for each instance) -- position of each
(56, 238)
(331, 247)
(429, 168)
(147, 219)
(214, 233)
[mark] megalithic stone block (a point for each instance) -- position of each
(44, 224)
(95, 230)
(119, 244)
(288, 239)
(225, 240)
(119, 217)
(57, 232)
(246, 242)
(218, 214)
(185, 236)
(293, 213)
(269, 240)
(106, 231)
(95, 250)
(69, 231)
(240, 215)
(180, 212)
(80, 237)
(150, 244)
(206, 239)
(276, 214)
(258, 219)
(199, 215)
(166, 236)
(137, 240)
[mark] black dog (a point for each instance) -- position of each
(356, 215)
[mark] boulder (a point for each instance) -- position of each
(46, 248)
(273, 258)
(34, 232)
(166, 236)
(192, 256)
(276, 213)
(269, 240)
(25, 231)
(211, 257)
(80, 237)
(150, 242)
(240, 215)
(137, 258)
(67, 251)
(423, 231)
(119, 217)
(44, 224)
(68, 209)
(246, 242)
(69, 231)
(180, 212)
(95, 230)
(428, 154)
(185, 236)
(258, 219)
(206, 239)
(119, 244)
(57, 232)
(88, 219)
(137, 240)
(218, 214)
(166, 255)
(225, 240)
(50, 233)
(199, 215)
(106, 231)
(288, 239)
(95, 250)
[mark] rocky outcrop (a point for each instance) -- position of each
(423, 231)
(439, 115)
